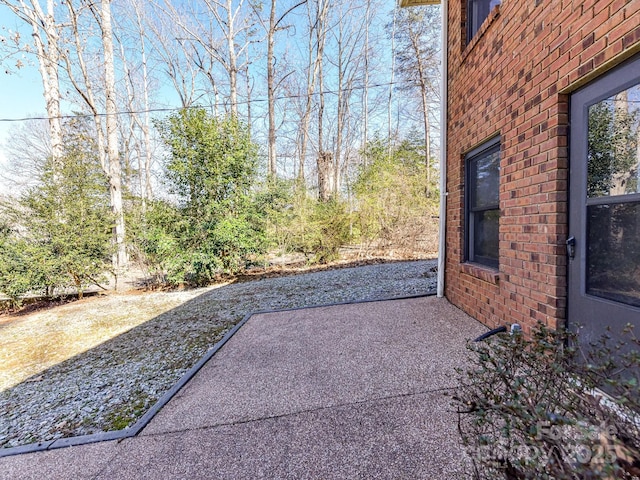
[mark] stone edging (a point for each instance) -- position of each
(143, 421)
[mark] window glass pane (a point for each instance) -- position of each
(613, 145)
(613, 257)
(485, 178)
(485, 237)
(477, 12)
(483, 204)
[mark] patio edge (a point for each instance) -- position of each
(143, 421)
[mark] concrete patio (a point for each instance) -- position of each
(346, 391)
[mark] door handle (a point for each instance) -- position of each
(571, 247)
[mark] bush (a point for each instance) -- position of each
(534, 408)
(218, 222)
(61, 228)
(329, 230)
(22, 268)
(392, 207)
(304, 224)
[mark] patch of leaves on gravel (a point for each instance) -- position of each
(111, 385)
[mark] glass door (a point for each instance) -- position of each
(604, 202)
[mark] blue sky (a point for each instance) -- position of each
(20, 92)
(21, 95)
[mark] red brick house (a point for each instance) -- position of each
(541, 208)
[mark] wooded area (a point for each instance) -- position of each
(205, 134)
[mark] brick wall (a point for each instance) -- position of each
(514, 78)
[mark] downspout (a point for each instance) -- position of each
(443, 149)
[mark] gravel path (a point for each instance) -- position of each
(111, 384)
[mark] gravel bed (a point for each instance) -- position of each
(111, 385)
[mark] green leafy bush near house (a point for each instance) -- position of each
(394, 201)
(533, 408)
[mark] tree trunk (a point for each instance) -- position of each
(392, 80)
(316, 23)
(341, 116)
(248, 94)
(145, 186)
(272, 167)
(271, 87)
(324, 160)
(46, 39)
(325, 163)
(50, 80)
(365, 92)
(120, 260)
(306, 115)
(233, 63)
(427, 139)
(423, 79)
(227, 23)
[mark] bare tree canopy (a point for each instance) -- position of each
(310, 79)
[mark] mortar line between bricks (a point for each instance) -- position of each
(298, 412)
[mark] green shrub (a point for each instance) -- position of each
(391, 202)
(61, 228)
(329, 230)
(306, 225)
(218, 222)
(22, 268)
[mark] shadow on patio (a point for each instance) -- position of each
(347, 391)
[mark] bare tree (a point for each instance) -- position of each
(324, 162)
(139, 121)
(173, 55)
(365, 90)
(317, 11)
(349, 54)
(27, 148)
(392, 72)
(80, 77)
(46, 34)
(271, 35)
(207, 49)
(249, 86)
(272, 26)
(114, 172)
(228, 19)
(417, 59)
(78, 74)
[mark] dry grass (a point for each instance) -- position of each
(96, 365)
(30, 344)
(38, 338)
(33, 341)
